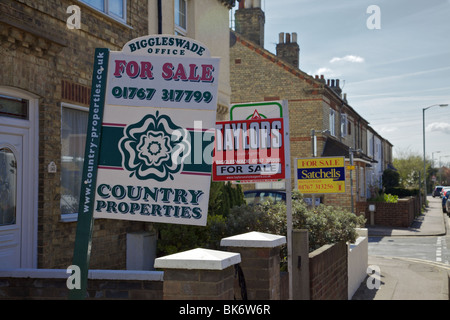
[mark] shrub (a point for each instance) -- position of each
(325, 224)
(385, 197)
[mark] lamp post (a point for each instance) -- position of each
(424, 161)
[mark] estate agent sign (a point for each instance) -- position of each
(320, 175)
(252, 146)
(160, 101)
(150, 136)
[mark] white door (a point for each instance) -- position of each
(11, 170)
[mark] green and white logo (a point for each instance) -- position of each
(154, 148)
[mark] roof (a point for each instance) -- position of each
(315, 83)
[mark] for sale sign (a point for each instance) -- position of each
(320, 175)
(249, 150)
(156, 135)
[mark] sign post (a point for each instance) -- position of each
(151, 158)
(254, 147)
(85, 225)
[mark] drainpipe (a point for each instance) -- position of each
(159, 16)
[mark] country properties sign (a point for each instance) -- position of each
(150, 137)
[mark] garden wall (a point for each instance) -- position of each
(41, 284)
(400, 214)
(328, 271)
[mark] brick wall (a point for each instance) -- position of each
(38, 286)
(40, 55)
(328, 272)
(199, 284)
(400, 214)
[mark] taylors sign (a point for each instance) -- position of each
(157, 132)
(249, 150)
(252, 146)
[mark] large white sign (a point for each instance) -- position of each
(157, 134)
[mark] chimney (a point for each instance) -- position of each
(288, 49)
(334, 85)
(250, 21)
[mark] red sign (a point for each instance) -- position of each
(249, 150)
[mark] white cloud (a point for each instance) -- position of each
(327, 72)
(438, 126)
(348, 58)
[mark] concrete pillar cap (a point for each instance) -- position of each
(254, 239)
(200, 259)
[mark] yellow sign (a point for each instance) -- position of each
(320, 175)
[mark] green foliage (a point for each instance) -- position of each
(402, 192)
(175, 238)
(390, 178)
(389, 198)
(385, 197)
(325, 224)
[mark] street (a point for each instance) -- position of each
(430, 248)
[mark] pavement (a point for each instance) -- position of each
(396, 278)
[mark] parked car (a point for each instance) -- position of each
(437, 191)
(259, 196)
(444, 191)
(446, 209)
(444, 201)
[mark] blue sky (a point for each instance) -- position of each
(389, 74)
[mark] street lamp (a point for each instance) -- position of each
(424, 162)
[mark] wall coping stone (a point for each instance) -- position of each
(201, 259)
(254, 239)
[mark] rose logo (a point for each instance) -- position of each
(154, 148)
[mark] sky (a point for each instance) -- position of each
(392, 62)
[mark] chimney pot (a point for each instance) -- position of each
(332, 82)
(281, 37)
(328, 82)
(288, 38)
(321, 76)
(337, 82)
(294, 37)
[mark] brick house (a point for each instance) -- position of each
(45, 83)
(314, 103)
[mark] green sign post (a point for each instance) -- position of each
(82, 250)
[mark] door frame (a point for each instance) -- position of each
(30, 172)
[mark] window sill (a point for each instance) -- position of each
(69, 217)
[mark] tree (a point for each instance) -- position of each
(410, 168)
(391, 178)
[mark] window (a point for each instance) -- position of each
(8, 186)
(114, 8)
(73, 138)
(344, 125)
(13, 107)
(180, 17)
(332, 124)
